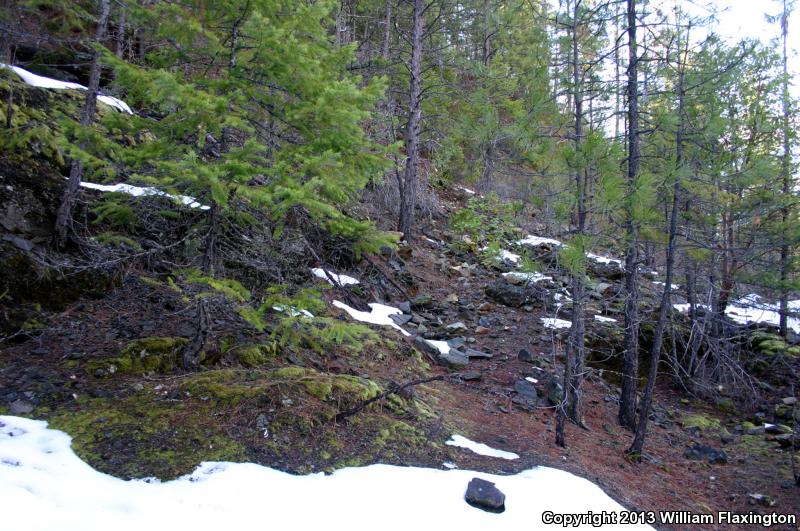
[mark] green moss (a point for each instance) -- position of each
(256, 355)
(704, 422)
(144, 356)
(726, 405)
(142, 436)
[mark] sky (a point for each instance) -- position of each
(739, 19)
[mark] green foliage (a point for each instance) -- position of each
(232, 289)
(118, 240)
(112, 211)
(487, 220)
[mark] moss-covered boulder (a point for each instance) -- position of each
(144, 356)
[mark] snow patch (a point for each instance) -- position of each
(49, 487)
(662, 284)
(467, 190)
(139, 191)
(46, 82)
(510, 257)
(531, 380)
(535, 241)
(603, 259)
(379, 315)
(441, 346)
(343, 280)
(603, 319)
(292, 311)
(480, 448)
(554, 323)
(527, 277)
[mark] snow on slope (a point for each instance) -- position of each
(751, 310)
(138, 191)
(46, 82)
(45, 486)
(379, 315)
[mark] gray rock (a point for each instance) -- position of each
(555, 392)
(789, 400)
(400, 318)
(786, 440)
(426, 347)
(471, 376)
(20, 407)
(454, 359)
(422, 301)
(404, 307)
(456, 342)
(508, 295)
(484, 495)
(701, 452)
(477, 354)
(526, 388)
(456, 327)
(525, 355)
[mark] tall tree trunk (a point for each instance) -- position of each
(408, 192)
(64, 216)
(786, 185)
(655, 354)
(630, 376)
(387, 30)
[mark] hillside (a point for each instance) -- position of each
(393, 264)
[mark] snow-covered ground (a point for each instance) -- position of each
(139, 191)
(480, 448)
(45, 486)
(343, 280)
(379, 315)
(752, 309)
(527, 277)
(554, 323)
(46, 82)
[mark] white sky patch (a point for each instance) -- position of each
(139, 191)
(379, 315)
(527, 277)
(604, 319)
(554, 323)
(480, 448)
(45, 486)
(344, 280)
(46, 82)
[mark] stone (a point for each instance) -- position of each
(526, 388)
(555, 392)
(20, 407)
(485, 307)
(525, 355)
(400, 318)
(422, 301)
(481, 330)
(457, 327)
(701, 452)
(456, 342)
(454, 359)
(426, 347)
(508, 295)
(471, 376)
(789, 401)
(484, 495)
(776, 429)
(786, 440)
(477, 354)
(452, 298)
(404, 307)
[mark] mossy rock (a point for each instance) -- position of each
(144, 356)
(256, 355)
(143, 436)
(703, 422)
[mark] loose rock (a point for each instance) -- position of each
(484, 495)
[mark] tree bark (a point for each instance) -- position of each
(630, 377)
(786, 185)
(64, 217)
(408, 192)
(655, 354)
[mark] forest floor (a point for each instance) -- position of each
(191, 419)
